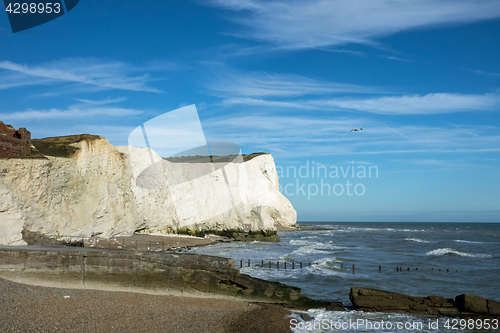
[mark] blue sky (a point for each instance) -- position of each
(422, 78)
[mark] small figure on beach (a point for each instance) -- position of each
(356, 129)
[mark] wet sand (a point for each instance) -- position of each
(26, 308)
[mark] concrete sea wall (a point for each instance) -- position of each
(158, 273)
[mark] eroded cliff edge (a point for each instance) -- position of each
(83, 186)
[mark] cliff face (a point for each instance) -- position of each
(84, 186)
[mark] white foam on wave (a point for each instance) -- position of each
(317, 248)
(326, 266)
(418, 240)
(273, 274)
(405, 230)
(466, 241)
(340, 321)
(299, 242)
(445, 251)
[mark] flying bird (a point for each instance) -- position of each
(356, 129)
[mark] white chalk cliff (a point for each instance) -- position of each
(101, 189)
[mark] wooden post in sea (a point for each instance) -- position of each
(262, 265)
(293, 264)
(379, 268)
(248, 262)
(300, 265)
(341, 267)
(285, 264)
(241, 263)
(269, 264)
(278, 265)
(353, 267)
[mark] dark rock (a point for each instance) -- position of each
(471, 303)
(306, 317)
(379, 300)
(436, 299)
(493, 307)
(448, 311)
(464, 306)
(334, 306)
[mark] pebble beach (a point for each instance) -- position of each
(26, 308)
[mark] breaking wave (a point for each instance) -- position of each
(445, 251)
(418, 240)
(466, 241)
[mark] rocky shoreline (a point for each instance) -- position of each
(167, 274)
(463, 306)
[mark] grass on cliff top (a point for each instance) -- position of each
(214, 158)
(60, 146)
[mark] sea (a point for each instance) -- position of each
(444, 259)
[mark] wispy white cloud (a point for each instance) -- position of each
(417, 104)
(15, 80)
(437, 103)
(73, 112)
(296, 24)
(351, 52)
(102, 102)
(263, 84)
(107, 75)
(266, 103)
(396, 58)
(317, 136)
(480, 72)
